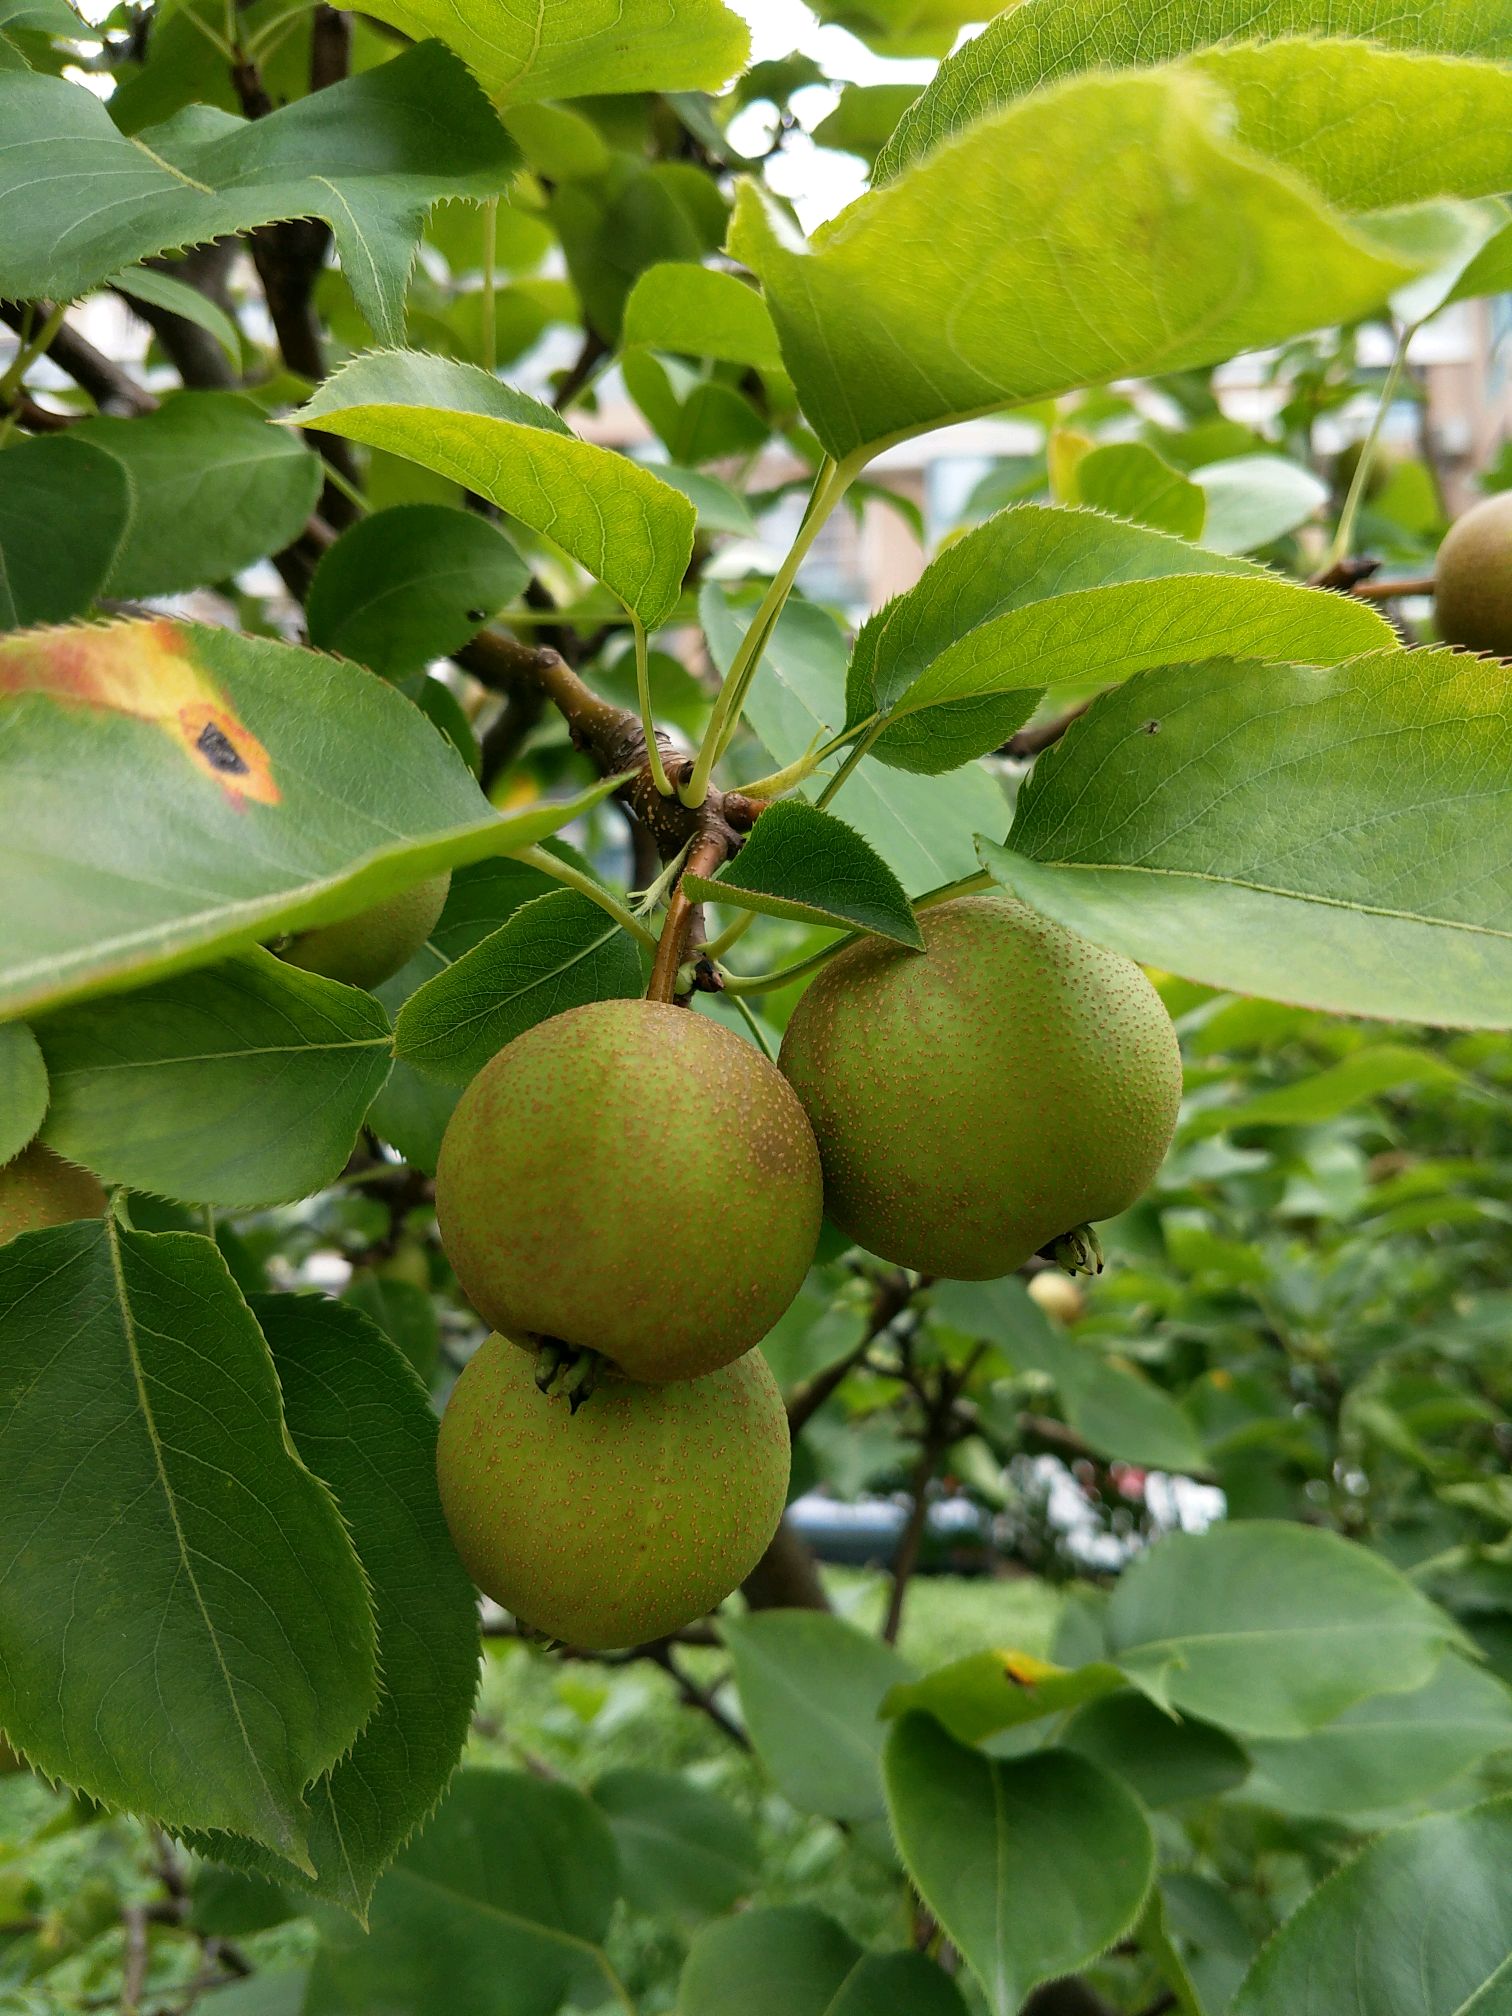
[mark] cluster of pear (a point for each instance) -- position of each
(633, 1194)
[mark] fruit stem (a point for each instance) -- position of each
(1344, 537)
(704, 857)
(643, 696)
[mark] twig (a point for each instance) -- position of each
(594, 348)
(708, 851)
(893, 1295)
(134, 1918)
(1033, 741)
(1392, 591)
(111, 388)
(695, 1696)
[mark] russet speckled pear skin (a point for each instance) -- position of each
(632, 1178)
(625, 1520)
(1473, 591)
(369, 948)
(39, 1188)
(975, 1102)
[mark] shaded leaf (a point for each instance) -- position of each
(795, 1959)
(1033, 1867)
(1271, 1629)
(811, 1688)
(558, 952)
(361, 1420)
(403, 586)
(184, 1630)
(1337, 1088)
(23, 1088)
(683, 1850)
(1308, 836)
(806, 864)
(630, 530)
(64, 508)
(244, 815)
(162, 290)
(239, 1085)
(512, 1882)
(702, 313)
(1166, 1758)
(370, 158)
(1420, 1924)
(1255, 499)
(1131, 481)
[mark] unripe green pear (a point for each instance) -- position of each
(633, 1179)
(1473, 589)
(39, 1188)
(624, 1519)
(369, 948)
(977, 1102)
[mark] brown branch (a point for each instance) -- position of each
(193, 352)
(707, 853)
(112, 389)
(695, 1696)
(573, 380)
(1391, 591)
(1347, 573)
(940, 1430)
(787, 1575)
(893, 1294)
(1033, 741)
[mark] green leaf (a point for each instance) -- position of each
(719, 508)
(976, 692)
(1338, 1088)
(1391, 1749)
(406, 1315)
(370, 158)
(558, 952)
(698, 419)
(361, 1420)
(1253, 500)
(701, 313)
(1309, 836)
(988, 1691)
(238, 1085)
(1175, 247)
(247, 816)
(1271, 1629)
(902, 27)
(1167, 1759)
(1420, 1924)
(410, 584)
(1033, 1867)
(185, 1631)
(921, 826)
(796, 1960)
(636, 215)
(23, 1088)
(213, 487)
(1026, 554)
(1025, 49)
(583, 48)
(162, 290)
(64, 509)
(864, 118)
(684, 1852)
(1131, 481)
(508, 1890)
(803, 863)
(811, 1688)
(630, 530)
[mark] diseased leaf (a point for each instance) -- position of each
(361, 1420)
(184, 1628)
(23, 1088)
(1033, 1867)
(369, 155)
(1172, 246)
(404, 586)
(558, 952)
(988, 1691)
(631, 531)
(795, 1959)
(1419, 1924)
(239, 1085)
(1317, 836)
(241, 815)
(1271, 1629)
(1028, 47)
(583, 48)
(803, 863)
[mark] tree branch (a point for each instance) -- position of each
(893, 1295)
(112, 389)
